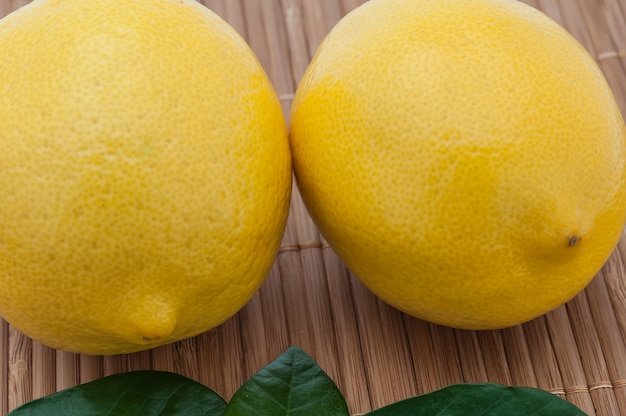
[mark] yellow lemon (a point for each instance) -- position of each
(466, 159)
(145, 172)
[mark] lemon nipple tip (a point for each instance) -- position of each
(154, 320)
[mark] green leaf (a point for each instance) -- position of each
(483, 399)
(145, 393)
(291, 385)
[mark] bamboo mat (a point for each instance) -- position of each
(374, 353)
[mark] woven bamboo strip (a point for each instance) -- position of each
(616, 22)
(494, 357)
(543, 357)
(279, 65)
(354, 382)
(616, 285)
(333, 12)
(583, 27)
(615, 278)
(470, 357)
(215, 359)
(387, 365)
(595, 20)
(395, 340)
(186, 358)
(274, 313)
(292, 276)
(592, 356)
(296, 38)
(231, 11)
(162, 358)
(20, 380)
(256, 32)
(315, 27)
(600, 44)
(208, 361)
(66, 370)
(90, 368)
(568, 358)
(231, 358)
(315, 324)
(112, 365)
(349, 5)
(551, 8)
(612, 344)
(16, 4)
(253, 339)
(622, 4)
(532, 3)
(44, 366)
(318, 307)
(320, 311)
(217, 6)
(137, 361)
(234, 15)
(445, 345)
(519, 356)
(434, 355)
(5, 8)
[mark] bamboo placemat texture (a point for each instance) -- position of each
(374, 353)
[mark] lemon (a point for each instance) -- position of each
(465, 159)
(145, 172)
